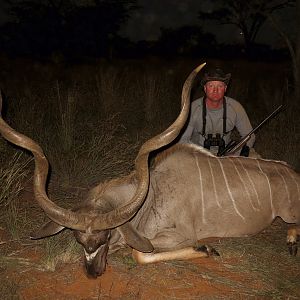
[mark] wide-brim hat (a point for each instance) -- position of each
(216, 75)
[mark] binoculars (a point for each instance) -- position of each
(214, 141)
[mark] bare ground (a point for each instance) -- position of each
(257, 267)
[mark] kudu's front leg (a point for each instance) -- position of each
(292, 238)
(170, 245)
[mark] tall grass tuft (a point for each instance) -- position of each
(58, 249)
(110, 88)
(156, 94)
(12, 177)
(106, 154)
(66, 119)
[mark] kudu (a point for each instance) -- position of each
(187, 195)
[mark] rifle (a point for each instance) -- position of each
(234, 146)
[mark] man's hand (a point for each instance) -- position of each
(245, 151)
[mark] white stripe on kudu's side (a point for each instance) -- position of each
(251, 182)
(244, 185)
(229, 191)
(269, 185)
(294, 179)
(201, 190)
(285, 185)
(213, 182)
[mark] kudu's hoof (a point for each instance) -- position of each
(210, 251)
(293, 249)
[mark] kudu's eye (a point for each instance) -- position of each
(90, 249)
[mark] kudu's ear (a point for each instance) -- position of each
(48, 229)
(134, 239)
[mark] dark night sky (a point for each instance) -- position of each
(3, 18)
(146, 22)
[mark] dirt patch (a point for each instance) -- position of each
(248, 268)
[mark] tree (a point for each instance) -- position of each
(292, 89)
(185, 40)
(293, 47)
(297, 52)
(80, 28)
(93, 28)
(36, 26)
(248, 16)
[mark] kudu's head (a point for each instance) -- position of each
(95, 243)
(91, 225)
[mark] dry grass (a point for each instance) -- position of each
(9, 289)
(12, 174)
(91, 121)
(60, 249)
(256, 267)
(266, 258)
(12, 177)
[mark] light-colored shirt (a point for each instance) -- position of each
(236, 117)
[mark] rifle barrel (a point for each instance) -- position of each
(245, 139)
(266, 119)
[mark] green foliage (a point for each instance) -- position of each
(129, 261)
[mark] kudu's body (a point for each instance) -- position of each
(194, 195)
(188, 195)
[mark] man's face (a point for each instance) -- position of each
(215, 90)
